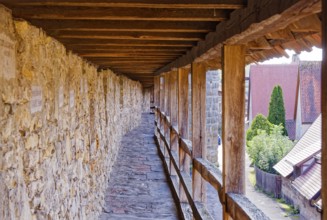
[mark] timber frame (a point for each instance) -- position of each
(160, 42)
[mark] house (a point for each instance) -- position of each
(300, 82)
(301, 173)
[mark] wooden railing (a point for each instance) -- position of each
(176, 153)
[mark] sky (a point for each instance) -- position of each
(314, 55)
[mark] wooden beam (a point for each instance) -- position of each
(233, 66)
(198, 82)
(162, 93)
(157, 91)
(245, 25)
(130, 54)
(151, 37)
(191, 4)
(99, 42)
(324, 112)
(154, 26)
(183, 91)
(173, 98)
(167, 104)
(183, 126)
(129, 49)
(127, 14)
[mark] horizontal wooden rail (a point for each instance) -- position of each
(211, 174)
(238, 206)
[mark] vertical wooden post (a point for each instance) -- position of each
(167, 103)
(233, 66)
(156, 90)
(162, 93)
(324, 111)
(173, 117)
(198, 127)
(167, 112)
(184, 161)
(156, 97)
(173, 98)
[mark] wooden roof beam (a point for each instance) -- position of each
(153, 26)
(245, 25)
(192, 4)
(127, 14)
(128, 35)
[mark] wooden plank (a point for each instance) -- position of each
(233, 109)
(198, 82)
(324, 112)
(99, 42)
(135, 14)
(191, 4)
(245, 25)
(118, 48)
(153, 26)
(240, 207)
(211, 174)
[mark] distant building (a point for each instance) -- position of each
(300, 82)
(301, 173)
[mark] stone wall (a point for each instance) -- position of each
(61, 122)
(212, 119)
(292, 196)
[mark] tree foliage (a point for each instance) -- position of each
(266, 150)
(260, 122)
(276, 113)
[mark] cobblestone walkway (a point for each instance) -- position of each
(138, 189)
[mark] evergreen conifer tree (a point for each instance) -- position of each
(276, 113)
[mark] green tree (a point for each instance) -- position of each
(266, 150)
(276, 113)
(260, 122)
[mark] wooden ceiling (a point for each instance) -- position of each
(132, 37)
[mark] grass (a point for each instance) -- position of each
(289, 210)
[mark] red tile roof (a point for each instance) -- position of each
(310, 90)
(301, 150)
(264, 78)
(309, 183)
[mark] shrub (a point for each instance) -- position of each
(260, 122)
(266, 150)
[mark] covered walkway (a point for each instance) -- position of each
(138, 188)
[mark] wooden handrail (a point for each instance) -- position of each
(211, 174)
(237, 205)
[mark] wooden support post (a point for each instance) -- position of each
(173, 117)
(233, 66)
(167, 103)
(173, 98)
(156, 97)
(156, 91)
(162, 93)
(198, 127)
(184, 161)
(324, 111)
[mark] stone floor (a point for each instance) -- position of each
(138, 188)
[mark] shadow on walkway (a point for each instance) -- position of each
(138, 189)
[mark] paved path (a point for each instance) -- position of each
(138, 189)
